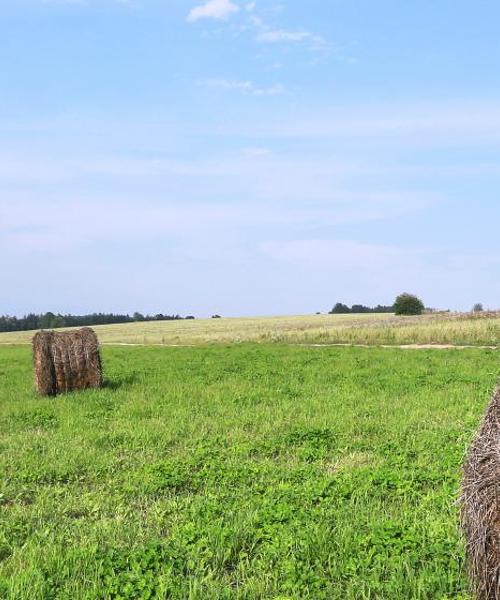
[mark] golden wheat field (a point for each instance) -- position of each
(371, 329)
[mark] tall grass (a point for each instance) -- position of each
(462, 329)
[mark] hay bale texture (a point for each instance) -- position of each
(66, 361)
(480, 505)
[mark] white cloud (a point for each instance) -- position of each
(270, 35)
(213, 9)
(246, 87)
(276, 36)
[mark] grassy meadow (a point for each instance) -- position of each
(371, 329)
(241, 471)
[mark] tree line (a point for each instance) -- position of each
(343, 309)
(404, 304)
(50, 320)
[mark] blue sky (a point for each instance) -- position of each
(244, 158)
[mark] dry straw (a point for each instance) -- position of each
(66, 361)
(480, 505)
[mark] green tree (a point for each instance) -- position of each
(478, 307)
(408, 304)
(47, 320)
(340, 309)
(58, 321)
(360, 308)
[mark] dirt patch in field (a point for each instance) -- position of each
(402, 346)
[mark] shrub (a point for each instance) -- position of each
(408, 304)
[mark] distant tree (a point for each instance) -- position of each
(340, 309)
(216, 317)
(58, 321)
(360, 308)
(383, 309)
(47, 320)
(31, 321)
(189, 317)
(478, 307)
(408, 304)
(50, 320)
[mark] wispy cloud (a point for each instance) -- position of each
(262, 174)
(264, 33)
(246, 87)
(45, 225)
(277, 36)
(410, 125)
(213, 9)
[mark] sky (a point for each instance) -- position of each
(248, 157)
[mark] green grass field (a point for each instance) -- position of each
(371, 329)
(240, 472)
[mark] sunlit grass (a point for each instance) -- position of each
(240, 472)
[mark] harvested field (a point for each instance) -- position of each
(448, 328)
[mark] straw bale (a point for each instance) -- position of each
(66, 361)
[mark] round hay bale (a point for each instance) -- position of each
(66, 361)
(480, 505)
(43, 364)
